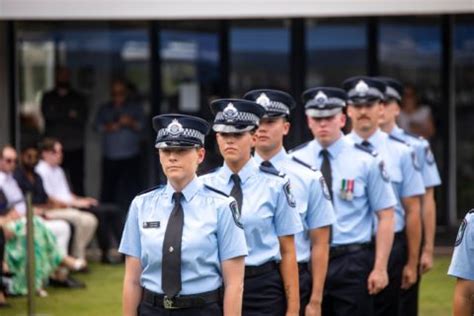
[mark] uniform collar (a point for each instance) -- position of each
(188, 192)
(397, 131)
(277, 160)
(334, 149)
(249, 169)
(376, 139)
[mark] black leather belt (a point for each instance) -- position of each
(344, 249)
(251, 271)
(184, 301)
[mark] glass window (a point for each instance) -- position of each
(94, 53)
(336, 49)
(259, 55)
(463, 56)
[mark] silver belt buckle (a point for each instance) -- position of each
(168, 303)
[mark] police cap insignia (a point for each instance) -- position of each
(289, 196)
(362, 88)
(175, 129)
(236, 213)
(230, 112)
(320, 98)
(263, 100)
(383, 172)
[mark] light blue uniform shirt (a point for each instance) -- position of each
(462, 263)
(428, 167)
(401, 163)
(314, 207)
(371, 191)
(266, 212)
(210, 236)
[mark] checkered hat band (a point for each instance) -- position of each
(330, 101)
(371, 92)
(187, 133)
(392, 93)
(241, 117)
(278, 107)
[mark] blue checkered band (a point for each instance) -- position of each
(369, 92)
(329, 101)
(239, 117)
(392, 93)
(184, 133)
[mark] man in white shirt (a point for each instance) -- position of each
(106, 217)
(69, 205)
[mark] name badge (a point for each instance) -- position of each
(151, 224)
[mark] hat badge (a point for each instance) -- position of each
(263, 100)
(362, 88)
(321, 98)
(175, 129)
(230, 112)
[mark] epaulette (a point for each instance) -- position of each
(215, 190)
(272, 171)
(301, 162)
(367, 150)
(151, 189)
(395, 138)
(413, 135)
(299, 147)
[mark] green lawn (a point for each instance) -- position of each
(104, 285)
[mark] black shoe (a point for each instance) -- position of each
(69, 283)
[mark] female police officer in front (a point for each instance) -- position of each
(268, 213)
(183, 239)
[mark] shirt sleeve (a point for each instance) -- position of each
(380, 191)
(412, 182)
(462, 262)
(320, 209)
(230, 235)
(130, 244)
(287, 220)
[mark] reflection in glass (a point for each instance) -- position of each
(336, 49)
(259, 54)
(463, 56)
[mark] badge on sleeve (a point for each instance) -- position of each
(383, 171)
(289, 196)
(325, 188)
(416, 163)
(460, 234)
(236, 213)
(429, 155)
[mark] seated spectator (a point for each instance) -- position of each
(48, 256)
(30, 182)
(59, 193)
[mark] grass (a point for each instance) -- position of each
(104, 286)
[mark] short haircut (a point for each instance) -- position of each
(5, 147)
(47, 144)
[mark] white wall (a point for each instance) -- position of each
(205, 9)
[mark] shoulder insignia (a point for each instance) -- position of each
(325, 188)
(234, 208)
(215, 190)
(413, 135)
(367, 150)
(299, 147)
(429, 157)
(460, 234)
(289, 196)
(159, 186)
(383, 171)
(414, 159)
(301, 162)
(395, 138)
(272, 171)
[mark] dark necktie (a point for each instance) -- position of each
(326, 169)
(268, 164)
(171, 265)
(236, 191)
(366, 144)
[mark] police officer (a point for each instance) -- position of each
(462, 267)
(365, 96)
(314, 207)
(360, 189)
(267, 209)
(431, 179)
(183, 239)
